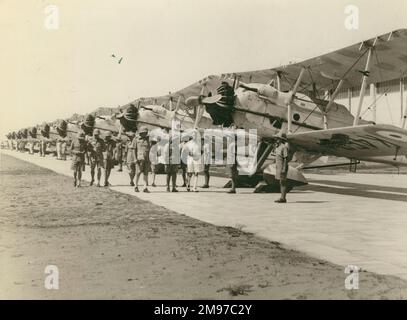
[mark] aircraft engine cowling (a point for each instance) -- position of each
(221, 112)
(33, 133)
(128, 119)
(45, 131)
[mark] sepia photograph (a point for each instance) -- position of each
(203, 155)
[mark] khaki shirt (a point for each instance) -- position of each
(130, 149)
(142, 148)
(283, 157)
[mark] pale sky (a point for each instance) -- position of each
(165, 44)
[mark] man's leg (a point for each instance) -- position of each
(75, 173)
(138, 173)
(99, 175)
(58, 147)
(184, 175)
(174, 180)
(207, 176)
(234, 175)
(168, 179)
(120, 160)
(79, 176)
(153, 176)
(107, 173)
(132, 173)
(189, 177)
(145, 176)
(195, 182)
(92, 172)
(63, 150)
(283, 188)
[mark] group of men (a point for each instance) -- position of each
(194, 157)
(139, 162)
(100, 153)
(103, 154)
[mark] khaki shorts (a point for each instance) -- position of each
(171, 168)
(78, 161)
(131, 166)
(142, 166)
(96, 161)
(109, 164)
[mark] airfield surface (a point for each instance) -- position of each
(346, 219)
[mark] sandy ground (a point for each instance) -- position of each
(111, 245)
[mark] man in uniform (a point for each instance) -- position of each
(109, 156)
(130, 157)
(119, 152)
(171, 164)
(154, 141)
(78, 149)
(96, 147)
(183, 165)
(283, 157)
(142, 151)
(206, 147)
(192, 152)
(232, 165)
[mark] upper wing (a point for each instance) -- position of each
(388, 62)
(357, 142)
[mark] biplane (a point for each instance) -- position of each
(292, 99)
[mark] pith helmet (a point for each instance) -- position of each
(96, 132)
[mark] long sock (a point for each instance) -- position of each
(174, 180)
(207, 178)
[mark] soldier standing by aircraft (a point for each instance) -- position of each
(232, 165)
(206, 162)
(78, 149)
(142, 151)
(96, 147)
(171, 164)
(154, 164)
(130, 157)
(183, 165)
(191, 152)
(283, 157)
(109, 156)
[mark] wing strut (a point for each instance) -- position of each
(364, 82)
(403, 121)
(290, 99)
(200, 109)
(331, 101)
